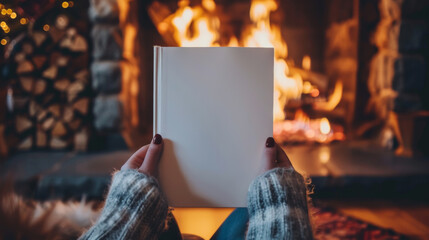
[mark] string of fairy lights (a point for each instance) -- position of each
(10, 21)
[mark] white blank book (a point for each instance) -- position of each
(214, 109)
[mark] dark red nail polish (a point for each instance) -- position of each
(270, 142)
(157, 139)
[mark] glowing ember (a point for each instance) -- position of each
(325, 127)
(303, 129)
(314, 130)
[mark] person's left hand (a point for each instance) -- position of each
(146, 159)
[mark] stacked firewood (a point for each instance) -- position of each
(49, 93)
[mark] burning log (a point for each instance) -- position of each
(333, 100)
(191, 25)
(317, 79)
(302, 129)
(158, 12)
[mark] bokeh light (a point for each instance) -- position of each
(46, 27)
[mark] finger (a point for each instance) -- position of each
(153, 155)
(136, 160)
(269, 154)
(270, 149)
(282, 158)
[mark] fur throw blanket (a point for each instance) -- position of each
(22, 219)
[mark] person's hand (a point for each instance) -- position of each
(274, 156)
(146, 159)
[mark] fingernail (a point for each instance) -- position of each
(270, 142)
(157, 139)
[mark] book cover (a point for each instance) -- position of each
(214, 108)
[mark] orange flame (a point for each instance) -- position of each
(198, 26)
(306, 63)
(325, 127)
(195, 26)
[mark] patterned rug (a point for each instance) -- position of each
(331, 224)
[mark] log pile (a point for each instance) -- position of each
(49, 93)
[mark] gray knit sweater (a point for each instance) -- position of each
(135, 208)
(277, 204)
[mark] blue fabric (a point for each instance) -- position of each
(234, 227)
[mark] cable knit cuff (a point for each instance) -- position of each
(277, 203)
(135, 207)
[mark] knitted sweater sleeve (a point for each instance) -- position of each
(134, 209)
(277, 204)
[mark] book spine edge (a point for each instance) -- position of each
(156, 80)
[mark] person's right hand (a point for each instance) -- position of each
(273, 156)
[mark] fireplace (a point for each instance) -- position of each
(344, 71)
(305, 97)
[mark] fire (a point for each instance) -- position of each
(333, 100)
(303, 129)
(204, 28)
(325, 127)
(199, 26)
(262, 34)
(306, 63)
(130, 68)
